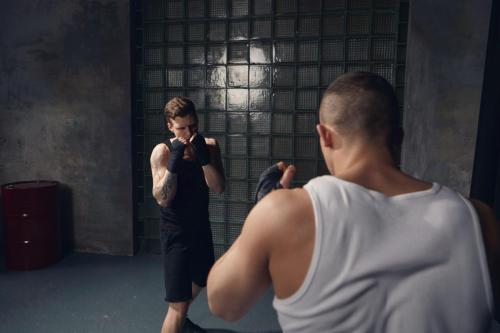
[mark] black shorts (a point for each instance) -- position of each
(187, 258)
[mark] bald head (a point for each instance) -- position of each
(361, 105)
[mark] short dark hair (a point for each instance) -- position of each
(179, 107)
(367, 105)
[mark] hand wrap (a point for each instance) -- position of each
(176, 154)
(268, 181)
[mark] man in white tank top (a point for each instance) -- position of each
(367, 248)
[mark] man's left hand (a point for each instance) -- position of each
(201, 149)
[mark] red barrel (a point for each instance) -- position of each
(32, 231)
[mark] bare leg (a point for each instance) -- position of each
(195, 290)
(174, 320)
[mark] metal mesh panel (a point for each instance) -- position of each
(217, 8)
(175, 32)
(153, 33)
(237, 145)
(285, 6)
(306, 6)
(255, 70)
(259, 122)
(238, 30)
(237, 168)
(153, 56)
(175, 9)
(358, 24)
(175, 78)
(307, 76)
(333, 25)
(196, 8)
(237, 76)
(284, 76)
(237, 99)
(260, 76)
(307, 100)
(217, 31)
(237, 123)
(260, 100)
(236, 189)
(216, 54)
(305, 123)
(308, 51)
(261, 53)
(261, 28)
(284, 27)
(239, 8)
(196, 32)
(175, 55)
(306, 147)
(282, 147)
(284, 100)
(233, 231)
(216, 122)
(284, 51)
(262, 7)
(238, 53)
(257, 167)
(334, 4)
(259, 146)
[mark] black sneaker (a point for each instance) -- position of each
(190, 327)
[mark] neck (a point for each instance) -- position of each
(361, 158)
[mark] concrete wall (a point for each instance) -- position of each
(65, 111)
(446, 55)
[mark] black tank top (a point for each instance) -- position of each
(189, 208)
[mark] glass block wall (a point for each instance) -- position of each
(256, 70)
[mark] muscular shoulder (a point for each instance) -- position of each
(159, 153)
(284, 209)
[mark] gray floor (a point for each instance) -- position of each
(87, 293)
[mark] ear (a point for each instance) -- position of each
(169, 126)
(325, 135)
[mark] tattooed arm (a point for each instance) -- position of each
(164, 182)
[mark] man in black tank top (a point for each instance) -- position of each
(183, 169)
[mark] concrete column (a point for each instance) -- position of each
(65, 111)
(446, 55)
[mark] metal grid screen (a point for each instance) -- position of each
(256, 70)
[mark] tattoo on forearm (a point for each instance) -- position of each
(169, 185)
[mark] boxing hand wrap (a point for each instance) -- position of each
(201, 149)
(176, 154)
(268, 181)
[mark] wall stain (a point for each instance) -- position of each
(93, 24)
(43, 55)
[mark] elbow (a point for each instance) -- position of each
(162, 202)
(220, 187)
(221, 310)
(219, 302)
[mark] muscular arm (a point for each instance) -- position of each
(241, 275)
(214, 171)
(164, 182)
(275, 245)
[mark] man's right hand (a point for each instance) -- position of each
(176, 154)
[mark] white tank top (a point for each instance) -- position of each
(409, 263)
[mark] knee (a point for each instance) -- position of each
(179, 308)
